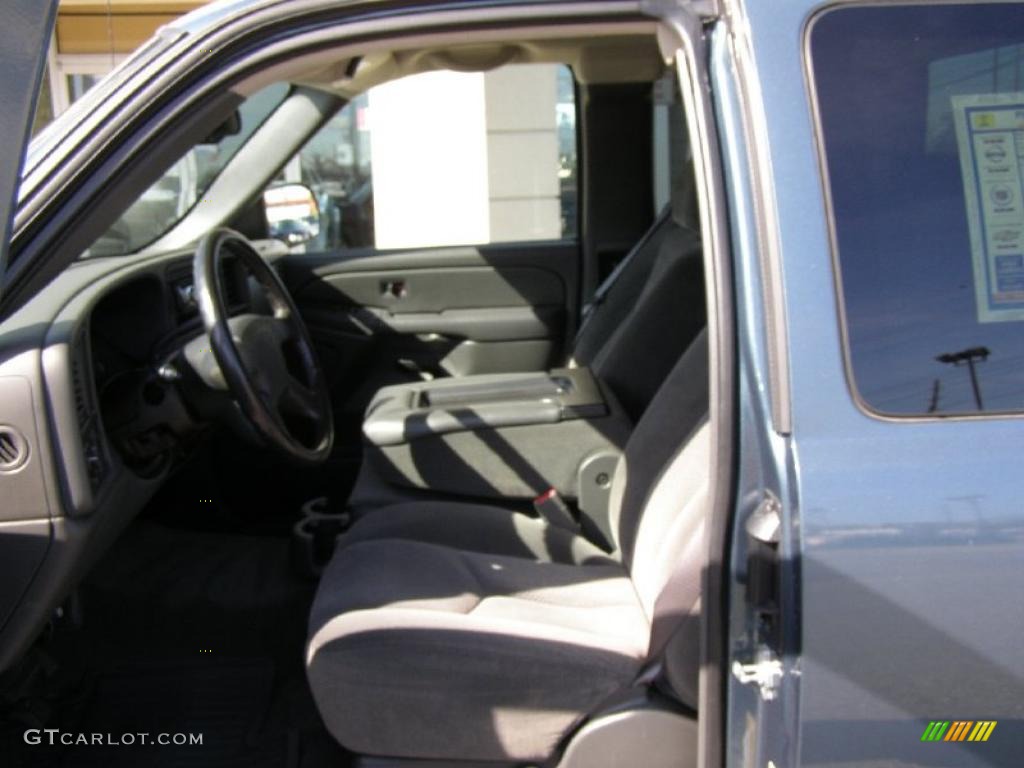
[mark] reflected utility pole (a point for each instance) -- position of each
(968, 357)
(933, 404)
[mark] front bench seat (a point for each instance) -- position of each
(419, 648)
(642, 319)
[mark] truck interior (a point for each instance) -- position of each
(364, 505)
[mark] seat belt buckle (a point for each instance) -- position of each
(552, 507)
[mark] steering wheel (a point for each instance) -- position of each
(267, 361)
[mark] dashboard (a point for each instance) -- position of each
(134, 331)
(98, 425)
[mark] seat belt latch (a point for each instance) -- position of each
(552, 507)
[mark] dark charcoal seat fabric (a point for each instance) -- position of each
(435, 638)
(648, 314)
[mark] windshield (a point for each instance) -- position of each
(173, 195)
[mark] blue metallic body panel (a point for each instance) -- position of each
(911, 533)
(763, 453)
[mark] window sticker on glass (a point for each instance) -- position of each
(990, 142)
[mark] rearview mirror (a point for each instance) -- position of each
(231, 126)
(293, 215)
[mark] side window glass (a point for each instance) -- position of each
(921, 109)
(447, 158)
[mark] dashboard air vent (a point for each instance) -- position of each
(13, 449)
(88, 418)
(82, 410)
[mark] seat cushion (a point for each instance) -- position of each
(421, 650)
(476, 528)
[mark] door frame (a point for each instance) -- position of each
(116, 146)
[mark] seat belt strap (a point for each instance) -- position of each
(609, 282)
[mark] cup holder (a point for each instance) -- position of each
(317, 506)
(315, 534)
(320, 507)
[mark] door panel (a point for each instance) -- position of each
(481, 325)
(384, 318)
(410, 291)
(403, 171)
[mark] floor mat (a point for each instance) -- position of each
(179, 631)
(222, 702)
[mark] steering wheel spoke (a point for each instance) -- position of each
(299, 400)
(284, 326)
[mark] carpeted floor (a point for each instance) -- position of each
(185, 632)
(223, 702)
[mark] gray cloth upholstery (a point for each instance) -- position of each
(419, 650)
(647, 316)
(490, 637)
(655, 306)
(477, 528)
(506, 462)
(633, 351)
(679, 409)
(615, 297)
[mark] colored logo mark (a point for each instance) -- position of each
(959, 730)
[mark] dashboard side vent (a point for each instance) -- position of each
(82, 409)
(13, 449)
(87, 416)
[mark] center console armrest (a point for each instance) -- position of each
(392, 427)
(495, 436)
(414, 411)
(541, 386)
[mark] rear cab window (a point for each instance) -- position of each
(921, 131)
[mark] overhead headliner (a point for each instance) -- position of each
(607, 58)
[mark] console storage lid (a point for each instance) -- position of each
(414, 411)
(502, 435)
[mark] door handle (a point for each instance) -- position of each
(393, 289)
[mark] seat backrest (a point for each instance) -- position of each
(648, 315)
(659, 492)
(617, 294)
